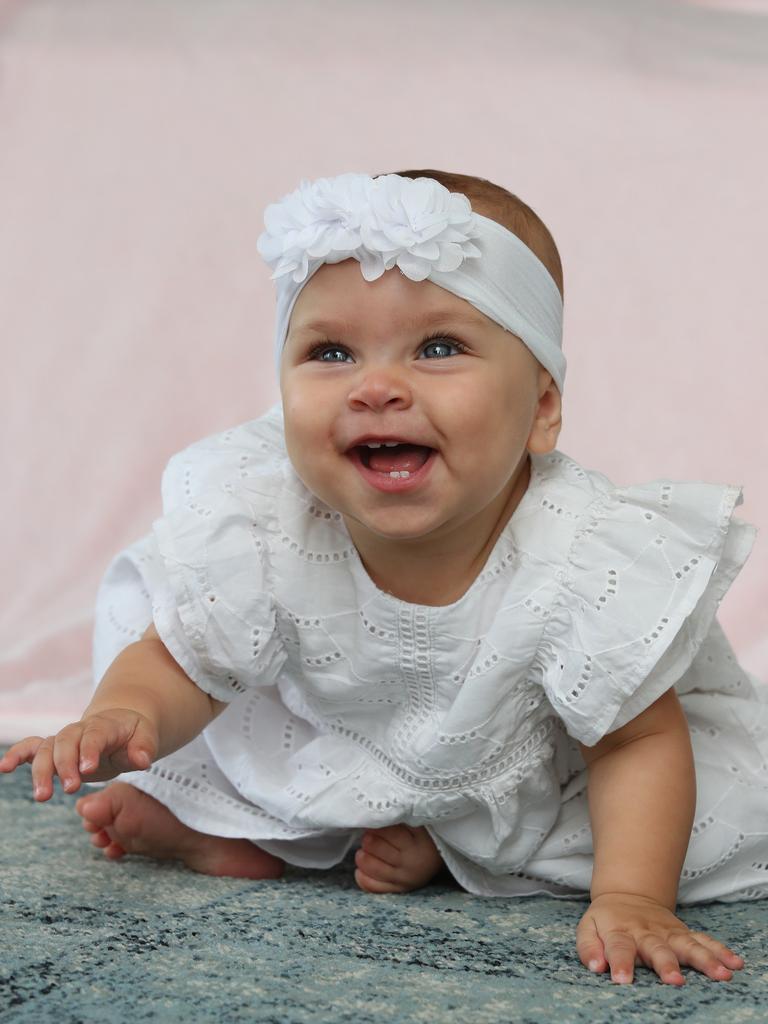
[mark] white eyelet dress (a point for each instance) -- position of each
(350, 709)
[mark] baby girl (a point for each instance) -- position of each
(391, 615)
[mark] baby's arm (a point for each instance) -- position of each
(642, 799)
(144, 708)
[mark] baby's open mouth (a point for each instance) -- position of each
(402, 458)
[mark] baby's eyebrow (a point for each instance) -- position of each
(428, 320)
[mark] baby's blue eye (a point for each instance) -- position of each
(443, 342)
(321, 353)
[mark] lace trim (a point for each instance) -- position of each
(315, 556)
(690, 873)
(200, 792)
(374, 630)
(715, 587)
(499, 767)
(414, 645)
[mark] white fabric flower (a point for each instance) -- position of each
(415, 224)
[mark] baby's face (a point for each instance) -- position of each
(356, 365)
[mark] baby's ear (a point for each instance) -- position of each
(548, 418)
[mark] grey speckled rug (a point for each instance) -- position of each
(89, 940)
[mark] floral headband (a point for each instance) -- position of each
(426, 231)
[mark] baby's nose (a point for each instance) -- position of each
(381, 386)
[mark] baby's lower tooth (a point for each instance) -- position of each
(400, 473)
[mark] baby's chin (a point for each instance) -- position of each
(390, 529)
(428, 529)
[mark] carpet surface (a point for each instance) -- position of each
(85, 939)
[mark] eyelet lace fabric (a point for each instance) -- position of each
(350, 709)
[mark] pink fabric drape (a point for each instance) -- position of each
(139, 144)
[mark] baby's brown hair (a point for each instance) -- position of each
(507, 209)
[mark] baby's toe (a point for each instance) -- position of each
(100, 838)
(370, 884)
(375, 867)
(90, 826)
(378, 845)
(96, 809)
(378, 870)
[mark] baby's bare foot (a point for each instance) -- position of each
(398, 858)
(123, 819)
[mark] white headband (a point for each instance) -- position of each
(425, 230)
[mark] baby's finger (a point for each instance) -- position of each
(691, 952)
(589, 946)
(92, 743)
(66, 750)
(724, 954)
(142, 747)
(620, 953)
(20, 753)
(42, 770)
(8, 763)
(657, 954)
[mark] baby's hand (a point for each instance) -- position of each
(621, 929)
(100, 746)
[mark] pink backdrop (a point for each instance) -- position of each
(139, 143)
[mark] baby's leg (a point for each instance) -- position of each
(398, 858)
(123, 819)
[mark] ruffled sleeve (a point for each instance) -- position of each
(211, 599)
(646, 571)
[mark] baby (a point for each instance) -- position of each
(391, 615)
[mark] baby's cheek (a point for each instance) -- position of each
(316, 471)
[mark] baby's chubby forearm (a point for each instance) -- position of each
(145, 678)
(144, 708)
(642, 798)
(642, 801)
